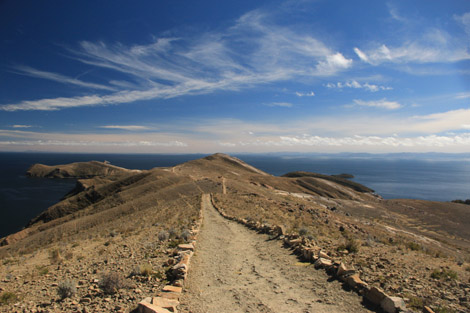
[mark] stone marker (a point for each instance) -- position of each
(393, 304)
(169, 288)
(168, 304)
(170, 295)
(186, 246)
(375, 295)
(321, 262)
(355, 281)
(145, 307)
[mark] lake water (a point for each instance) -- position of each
(396, 176)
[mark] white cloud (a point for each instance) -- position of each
(305, 94)
(463, 95)
(125, 127)
(227, 144)
(395, 14)
(441, 48)
(390, 141)
(361, 55)
(280, 104)
(383, 103)
(204, 63)
(29, 71)
(131, 142)
(333, 63)
(21, 126)
(464, 19)
(357, 85)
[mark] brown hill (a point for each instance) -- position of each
(112, 220)
(77, 170)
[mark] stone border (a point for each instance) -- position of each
(167, 300)
(308, 251)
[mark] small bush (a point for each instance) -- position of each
(146, 270)
(163, 236)
(55, 257)
(442, 309)
(66, 289)
(8, 297)
(42, 270)
(68, 255)
(172, 233)
(111, 282)
(303, 231)
(351, 245)
(135, 271)
(444, 274)
(414, 246)
(175, 242)
(185, 235)
(415, 302)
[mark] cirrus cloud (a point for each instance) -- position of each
(383, 104)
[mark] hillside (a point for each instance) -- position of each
(118, 220)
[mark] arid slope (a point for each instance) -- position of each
(111, 222)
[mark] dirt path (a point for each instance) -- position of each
(237, 270)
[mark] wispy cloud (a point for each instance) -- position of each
(21, 126)
(412, 52)
(280, 104)
(356, 85)
(419, 44)
(391, 141)
(464, 20)
(463, 95)
(29, 71)
(89, 141)
(254, 50)
(383, 104)
(125, 127)
(304, 94)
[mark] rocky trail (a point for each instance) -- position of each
(235, 269)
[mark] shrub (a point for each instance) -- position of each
(135, 271)
(444, 274)
(42, 270)
(442, 309)
(414, 246)
(163, 236)
(66, 289)
(146, 270)
(8, 297)
(185, 235)
(415, 302)
(172, 233)
(175, 242)
(112, 282)
(303, 231)
(351, 245)
(55, 257)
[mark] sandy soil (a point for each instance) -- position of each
(237, 270)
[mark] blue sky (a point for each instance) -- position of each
(235, 76)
